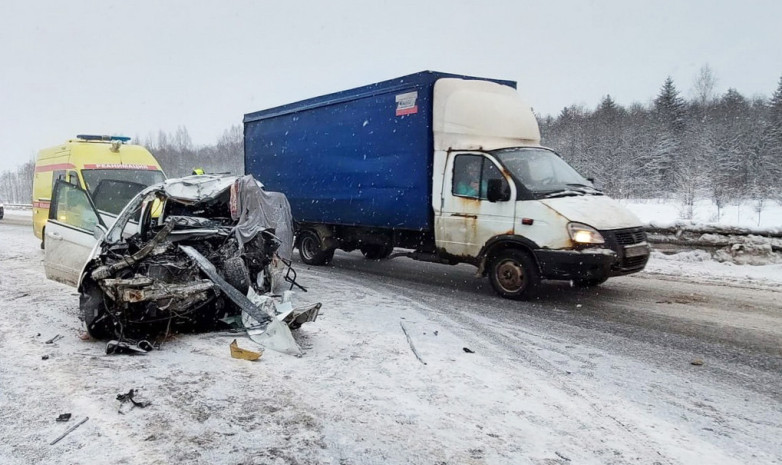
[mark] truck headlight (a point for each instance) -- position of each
(581, 233)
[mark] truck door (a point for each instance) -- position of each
(467, 218)
(69, 232)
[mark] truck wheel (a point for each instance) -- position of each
(377, 252)
(589, 282)
(513, 274)
(310, 251)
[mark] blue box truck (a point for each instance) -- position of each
(449, 168)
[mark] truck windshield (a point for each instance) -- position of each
(543, 171)
(112, 189)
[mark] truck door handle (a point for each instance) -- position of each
(464, 215)
(55, 236)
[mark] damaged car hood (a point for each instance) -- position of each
(192, 189)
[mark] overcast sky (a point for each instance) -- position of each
(137, 67)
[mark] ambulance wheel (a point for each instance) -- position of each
(310, 249)
(513, 274)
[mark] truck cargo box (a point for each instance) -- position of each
(357, 157)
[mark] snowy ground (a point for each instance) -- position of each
(359, 395)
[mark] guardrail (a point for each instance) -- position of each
(18, 206)
(676, 236)
(711, 237)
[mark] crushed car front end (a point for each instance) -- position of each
(144, 279)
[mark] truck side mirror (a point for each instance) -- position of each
(495, 191)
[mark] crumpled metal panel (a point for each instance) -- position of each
(192, 189)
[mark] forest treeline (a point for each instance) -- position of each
(727, 148)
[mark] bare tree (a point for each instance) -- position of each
(704, 86)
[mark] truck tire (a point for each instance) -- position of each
(310, 249)
(377, 252)
(513, 274)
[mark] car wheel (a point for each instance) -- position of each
(310, 249)
(236, 274)
(513, 274)
(377, 252)
(99, 323)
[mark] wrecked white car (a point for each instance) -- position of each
(184, 255)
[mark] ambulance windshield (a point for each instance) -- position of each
(112, 189)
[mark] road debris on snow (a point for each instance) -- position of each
(127, 399)
(128, 347)
(243, 354)
(54, 339)
(410, 342)
(69, 431)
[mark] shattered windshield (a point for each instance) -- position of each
(125, 183)
(544, 172)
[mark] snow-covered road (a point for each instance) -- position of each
(579, 376)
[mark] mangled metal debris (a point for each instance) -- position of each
(128, 399)
(187, 254)
(128, 347)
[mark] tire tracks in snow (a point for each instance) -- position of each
(512, 344)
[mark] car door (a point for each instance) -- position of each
(467, 218)
(70, 233)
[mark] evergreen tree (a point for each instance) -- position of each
(769, 166)
(670, 108)
(668, 152)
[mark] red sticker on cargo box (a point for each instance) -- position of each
(406, 103)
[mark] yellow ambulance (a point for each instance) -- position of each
(109, 169)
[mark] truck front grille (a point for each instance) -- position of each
(618, 239)
(629, 236)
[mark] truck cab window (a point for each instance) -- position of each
(471, 175)
(467, 175)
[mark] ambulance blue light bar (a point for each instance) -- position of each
(122, 139)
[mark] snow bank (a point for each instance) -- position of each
(666, 213)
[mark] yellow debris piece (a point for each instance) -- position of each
(244, 354)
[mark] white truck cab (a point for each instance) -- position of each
(514, 208)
